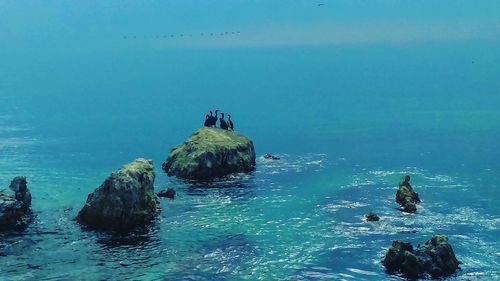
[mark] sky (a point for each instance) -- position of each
(93, 25)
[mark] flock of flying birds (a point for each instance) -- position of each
(182, 35)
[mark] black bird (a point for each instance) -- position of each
(207, 121)
(210, 119)
(214, 119)
(223, 123)
(229, 122)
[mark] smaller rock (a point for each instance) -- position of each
(406, 197)
(435, 258)
(15, 204)
(271, 157)
(34, 266)
(372, 217)
(167, 193)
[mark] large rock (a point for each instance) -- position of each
(15, 204)
(125, 200)
(406, 197)
(211, 153)
(435, 258)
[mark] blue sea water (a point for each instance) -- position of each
(351, 95)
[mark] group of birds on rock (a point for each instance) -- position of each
(211, 121)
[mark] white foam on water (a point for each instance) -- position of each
(360, 271)
(291, 163)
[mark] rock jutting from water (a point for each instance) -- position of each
(15, 203)
(270, 157)
(372, 217)
(406, 197)
(434, 258)
(167, 193)
(125, 200)
(211, 153)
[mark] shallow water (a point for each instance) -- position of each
(352, 95)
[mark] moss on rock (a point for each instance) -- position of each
(211, 153)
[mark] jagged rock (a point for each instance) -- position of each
(211, 153)
(167, 193)
(372, 217)
(15, 203)
(271, 157)
(125, 200)
(434, 258)
(406, 197)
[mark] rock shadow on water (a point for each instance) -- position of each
(236, 187)
(15, 244)
(142, 236)
(22, 239)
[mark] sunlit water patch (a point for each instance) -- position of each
(297, 218)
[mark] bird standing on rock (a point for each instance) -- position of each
(229, 122)
(223, 123)
(214, 119)
(207, 121)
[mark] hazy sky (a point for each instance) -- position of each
(28, 25)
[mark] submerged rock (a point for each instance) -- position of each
(15, 203)
(125, 200)
(435, 258)
(167, 193)
(406, 197)
(271, 157)
(372, 217)
(211, 153)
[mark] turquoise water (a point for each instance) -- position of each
(351, 96)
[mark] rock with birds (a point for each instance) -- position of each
(211, 153)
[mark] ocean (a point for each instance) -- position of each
(351, 95)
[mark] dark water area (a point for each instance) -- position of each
(351, 97)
